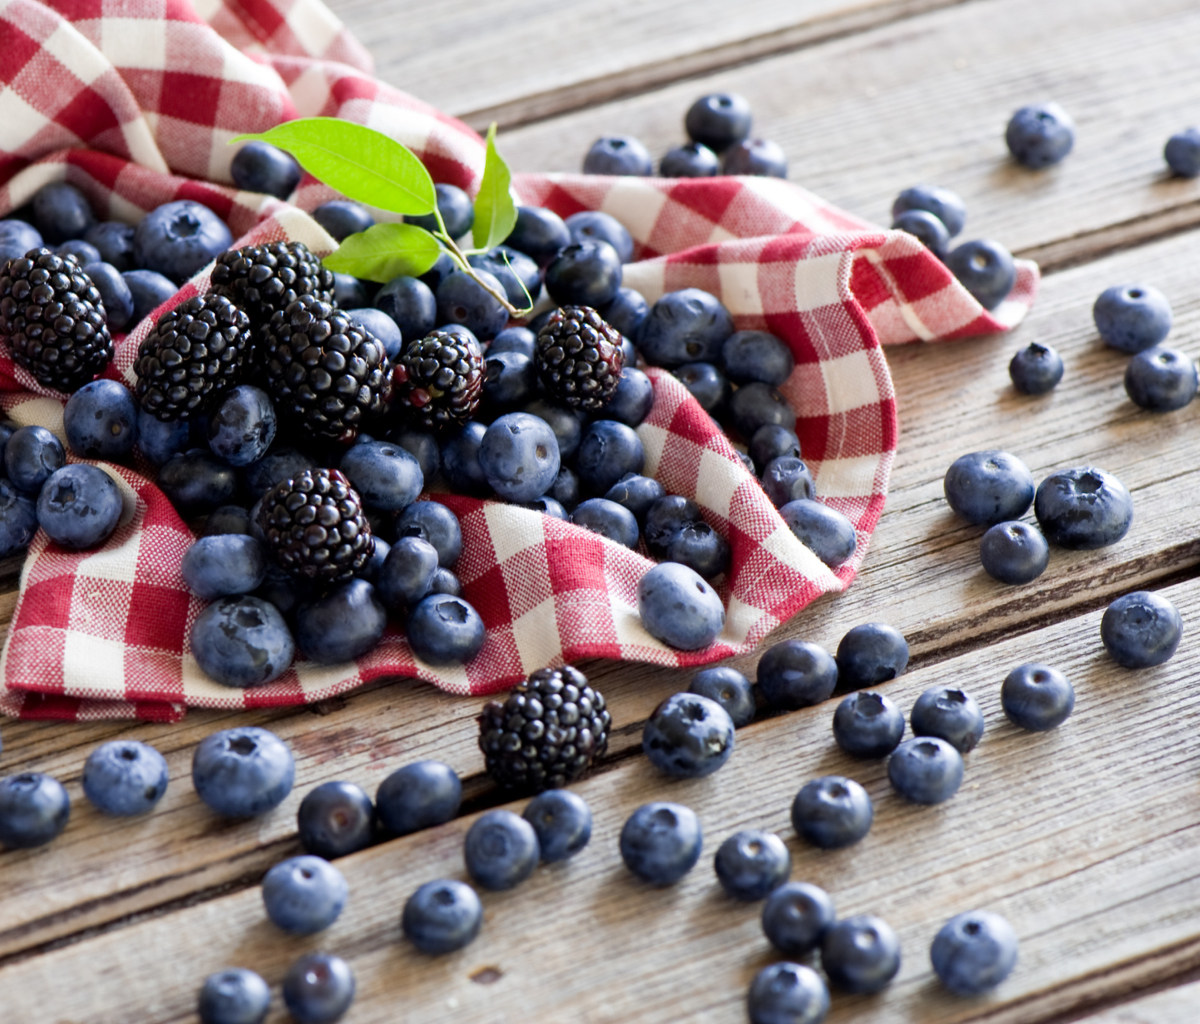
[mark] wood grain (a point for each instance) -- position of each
(1084, 838)
(1173, 1006)
(927, 99)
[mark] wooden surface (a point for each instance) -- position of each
(1086, 838)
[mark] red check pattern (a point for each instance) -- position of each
(134, 101)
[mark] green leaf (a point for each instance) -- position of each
(357, 161)
(385, 251)
(495, 212)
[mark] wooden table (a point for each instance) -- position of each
(1086, 838)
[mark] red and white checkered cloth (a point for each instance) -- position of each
(134, 101)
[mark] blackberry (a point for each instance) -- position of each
(322, 369)
(54, 319)
(315, 527)
(579, 357)
(264, 279)
(547, 733)
(195, 350)
(438, 379)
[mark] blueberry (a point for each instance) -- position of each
(759, 157)
(869, 654)
(565, 490)
(273, 468)
(691, 160)
(786, 480)
(318, 988)
(660, 842)
(729, 688)
(242, 425)
(925, 770)
(234, 996)
(409, 302)
(796, 917)
(945, 205)
(460, 460)
(500, 850)
(706, 383)
(787, 993)
(18, 520)
(584, 274)
(113, 240)
(988, 487)
(618, 154)
(973, 952)
(566, 423)
(688, 736)
(61, 211)
(633, 398)
(751, 863)
(519, 456)
(79, 507)
(341, 625)
(701, 549)
(753, 406)
(243, 772)
(407, 571)
(756, 356)
(197, 482)
(17, 238)
(627, 312)
(159, 440)
(795, 674)
(636, 493)
(1141, 629)
(1083, 508)
(1182, 153)
(1036, 369)
(433, 522)
(985, 268)
(242, 641)
(718, 120)
(608, 519)
(417, 796)
(380, 326)
(33, 810)
(823, 530)
(456, 208)
(1132, 317)
(832, 812)
(867, 725)
(860, 954)
(562, 821)
(445, 630)
(685, 326)
(101, 420)
(149, 289)
(442, 267)
(514, 339)
(665, 518)
(334, 819)
(304, 895)
(442, 916)
(114, 293)
(228, 519)
(539, 233)
(607, 451)
(31, 455)
(1040, 135)
(517, 273)
(82, 251)
(422, 446)
(1161, 379)
(549, 507)
(772, 442)
(1037, 697)
(224, 564)
(386, 476)
(260, 167)
(927, 229)
(470, 300)
(595, 225)
(341, 217)
(1014, 552)
(679, 608)
(950, 714)
(178, 238)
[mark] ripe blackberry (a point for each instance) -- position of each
(438, 379)
(547, 733)
(315, 527)
(263, 279)
(54, 319)
(579, 357)
(323, 369)
(195, 350)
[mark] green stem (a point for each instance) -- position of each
(443, 236)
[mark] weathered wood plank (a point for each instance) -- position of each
(927, 99)
(519, 60)
(1083, 837)
(1172, 1006)
(922, 575)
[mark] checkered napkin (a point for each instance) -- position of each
(134, 101)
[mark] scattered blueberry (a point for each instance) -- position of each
(760, 157)
(860, 954)
(988, 487)
(456, 208)
(660, 842)
(31, 455)
(539, 233)
(787, 480)
(686, 326)
(510, 380)
(379, 325)
(796, 917)
(618, 154)
(787, 993)
(79, 506)
(548, 507)
(985, 268)
(1132, 317)
(341, 217)
(101, 420)
(870, 654)
(242, 425)
(1035, 369)
(500, 850)
(243, 772)
(178, 238)
(832, 812)
(442, 916)
(334, 819)
(149, 289)
(633, 399)
(584, 274)
(927, 229)
(460, 460)
(636, 493)
(925, 770)
(796, 674)
(386, 476)
(1040, 135)
(197, 482)
(728, 688)
(1141, 629)
(242, 641)
(470, 300)
(590, 225)
(125, 777)
(688, 736)
(417, 796)
(445, 630)
(608, 519)
(950, 714)
(33, 810)
(718, 120)
(562, 822)
(679, 608)
(1083, 508)
(751, 863)
(706, 383)
(17, 238)
(340, 625)
(304, 895)
(433, 522)
(701, 549)
(161, 440)
(608, 451)
(1037, 697)
(1014, 552)
(754, 406)
(1182, 153)
(113, 240)
(1161, 379)
(318, 988)
(823, 530)
(277, 465)
(945, 205)
(691, 160)
(61, 212)
(627, 312)
(520, 276)
(421, 446)
(519, 456)
(260, 167)
(867, 724)
(18, 519)
(234, 996)
(973, 952)
(115, 293)
(756, 356)
(770, 442)
(406, 573)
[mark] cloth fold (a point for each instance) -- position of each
(134, 102)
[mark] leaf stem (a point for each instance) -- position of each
(456, 254)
